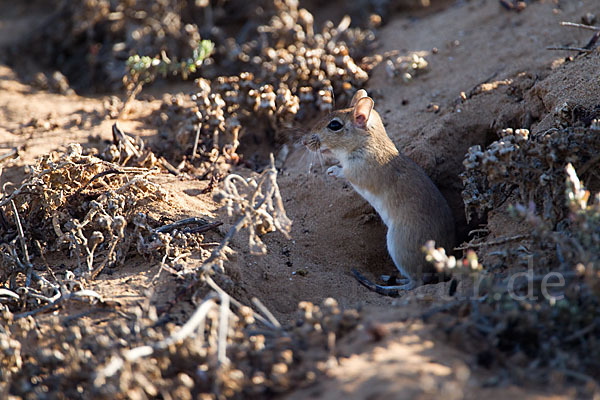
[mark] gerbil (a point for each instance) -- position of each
(409, 203)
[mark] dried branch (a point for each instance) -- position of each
(21, 236)
(492, 242)
(63, 297)
(30, 181)
(196, 140)
(262, 210)
(567, 48)
(582, 26)
(180, 223)
(11, 153)
(266, 312)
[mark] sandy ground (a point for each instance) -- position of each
(495, 58)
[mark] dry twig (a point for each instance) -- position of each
(582, 26)
(566, 48)
(11, 153)
(492, 242)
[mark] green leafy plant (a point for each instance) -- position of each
(146, 68)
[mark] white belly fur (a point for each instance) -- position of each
(377, 204)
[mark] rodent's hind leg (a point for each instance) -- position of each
(335, 171)
(392, 291)
(394, 280)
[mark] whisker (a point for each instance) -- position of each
(312, 161)
(321, 159)
(303, 157)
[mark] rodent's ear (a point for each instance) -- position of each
(357, 96)
(362, 112)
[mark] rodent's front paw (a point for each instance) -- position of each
(336, 171)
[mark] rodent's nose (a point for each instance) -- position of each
(312, 142)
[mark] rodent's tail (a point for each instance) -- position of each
(390, 291)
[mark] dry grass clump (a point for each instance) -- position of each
(544, 318)
(529, 166)
(90, 211)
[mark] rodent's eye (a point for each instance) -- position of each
(335, 125)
